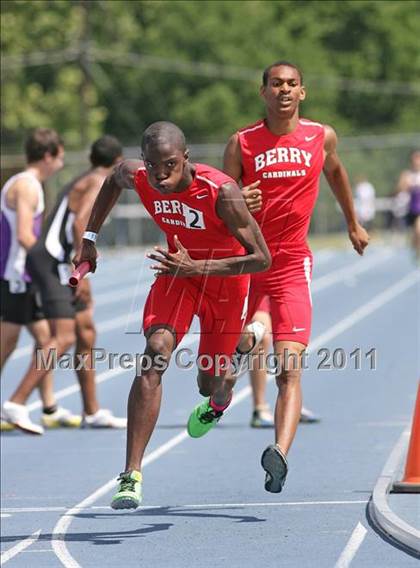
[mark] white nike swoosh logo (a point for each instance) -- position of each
(202, 196)
(309, 138)
(295, 329)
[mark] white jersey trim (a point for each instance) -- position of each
(307, 271)
(69, 227)
(211, 183)
(16, 260)
(310, 123)
(240, 132)
(52, 241)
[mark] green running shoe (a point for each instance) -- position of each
(202, 419)
(128, 495)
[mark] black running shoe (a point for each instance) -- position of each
(275, 465)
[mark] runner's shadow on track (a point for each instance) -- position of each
(101, 538)
(177, 512)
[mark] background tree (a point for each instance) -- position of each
(89, 66)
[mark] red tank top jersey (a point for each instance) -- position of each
(191, 214)
(288, 167)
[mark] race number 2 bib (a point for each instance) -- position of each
(193, 217)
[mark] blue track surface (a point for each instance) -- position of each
(204, 500)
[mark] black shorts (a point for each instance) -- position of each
(50, 277)
(412, 218)
(23, 308)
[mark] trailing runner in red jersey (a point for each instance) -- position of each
(279, 161)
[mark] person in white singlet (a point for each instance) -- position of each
(68, 314)
(22, 206)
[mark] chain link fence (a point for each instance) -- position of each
(378, 159)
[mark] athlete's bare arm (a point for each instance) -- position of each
(121, 177)
(231, 208)
(81, 199)
(81, 202)
(232, 166)
(232, 160)
(403, 183)
(338, 180)
(25, 202)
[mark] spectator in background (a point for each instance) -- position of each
(400, 201)
(22, 208)
(408, 188)
(69, 313)
(365, 201)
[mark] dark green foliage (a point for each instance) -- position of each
(116, 66)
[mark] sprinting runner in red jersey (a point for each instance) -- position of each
(213, 244)
(280, 160)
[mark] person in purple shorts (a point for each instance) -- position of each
(68, 313)
(409, 182)
(22, 206)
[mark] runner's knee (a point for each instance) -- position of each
(41, 333)
(86, 337)
(290, 367)
(65, 340)
(149, 380)
(288, 378)
(159, 348)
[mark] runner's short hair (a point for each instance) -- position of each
(163, 132)
(267, 70)
(42, 141)
(105, 151)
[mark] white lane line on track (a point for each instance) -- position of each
(351, 271)
(19, 547)
(101, 327)
(62, 393)
(15, 511)
(21, 352)
(261, 504)
(60, 529)
(352, 546)
(38, 550)
(324, 255)
(321, 283)
(367, 309)
(114, 296)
